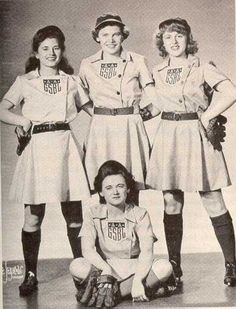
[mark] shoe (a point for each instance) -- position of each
(178, 273)
(165, 290)
(29, 285)
(230, 274)
(171, 281)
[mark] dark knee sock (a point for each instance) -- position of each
(224, 231)
(30, 244)
(173, 225)
(75, 241)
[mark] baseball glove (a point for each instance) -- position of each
(105, 293)
(23, 139)
(85, 289)
(145, 114)
(215, 131)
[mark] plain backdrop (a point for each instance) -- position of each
(212, 23)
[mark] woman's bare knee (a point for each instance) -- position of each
(173, 201)
(213, 202)
(79, 268)
(162, 268)
(33, 218)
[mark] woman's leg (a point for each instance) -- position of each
(222, 223)
(72, 212)
(31, 237)
(173, 225)
(160, 271)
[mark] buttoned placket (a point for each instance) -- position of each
(183, 83)
(122, 72)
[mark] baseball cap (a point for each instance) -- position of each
(108, 18)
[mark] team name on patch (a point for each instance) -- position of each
(108, 70)
(116, 231)
(173, 75)
(52, 86)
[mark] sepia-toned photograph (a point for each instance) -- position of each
(118, 174)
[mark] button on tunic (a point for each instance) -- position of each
(50, 168)
(136, 229)
(182, 157)
(122, 137)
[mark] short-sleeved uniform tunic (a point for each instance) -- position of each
(50, 167)
(122, 137)
(118, 241)
(182, 157)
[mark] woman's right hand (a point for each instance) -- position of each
(26, 125)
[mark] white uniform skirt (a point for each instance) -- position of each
(122, 138)
(183, 158)
(50, 170)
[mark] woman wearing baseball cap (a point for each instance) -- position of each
(114, 80)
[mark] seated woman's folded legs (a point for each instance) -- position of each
(160, 271)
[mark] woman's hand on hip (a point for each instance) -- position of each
(26, 125)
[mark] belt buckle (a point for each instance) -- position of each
(114, 111)
(177, 117)
(52, 126)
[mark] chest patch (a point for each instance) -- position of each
(52, 86)
(173, 76)
(108, 70)
(116, 230)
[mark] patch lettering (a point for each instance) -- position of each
(108, 70)
(52, 86)
(116, 231)
(173, 75)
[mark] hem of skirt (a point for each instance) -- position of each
(37, 202)
(180, 188)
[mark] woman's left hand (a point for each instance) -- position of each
(138, 291)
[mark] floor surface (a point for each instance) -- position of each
(202, 286)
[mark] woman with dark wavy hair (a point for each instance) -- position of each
(49, 169)
(186, 154)
(117, 240)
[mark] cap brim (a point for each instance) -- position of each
(109, 20)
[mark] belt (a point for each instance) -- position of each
(113, 111)
(178, 116)
(48, 127)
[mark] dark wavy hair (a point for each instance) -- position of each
(179, 25)
(109, 168)
(41, 35)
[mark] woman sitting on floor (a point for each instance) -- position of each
(117, 245)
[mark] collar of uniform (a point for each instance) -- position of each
(101, 212)
(99, 56)
(129, 213)
(35, 74)
(192, 61)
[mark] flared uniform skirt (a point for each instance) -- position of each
(50, 170)
(122, 138)
(182, 158)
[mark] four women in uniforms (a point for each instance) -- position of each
(113, 81)
(50, 169)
